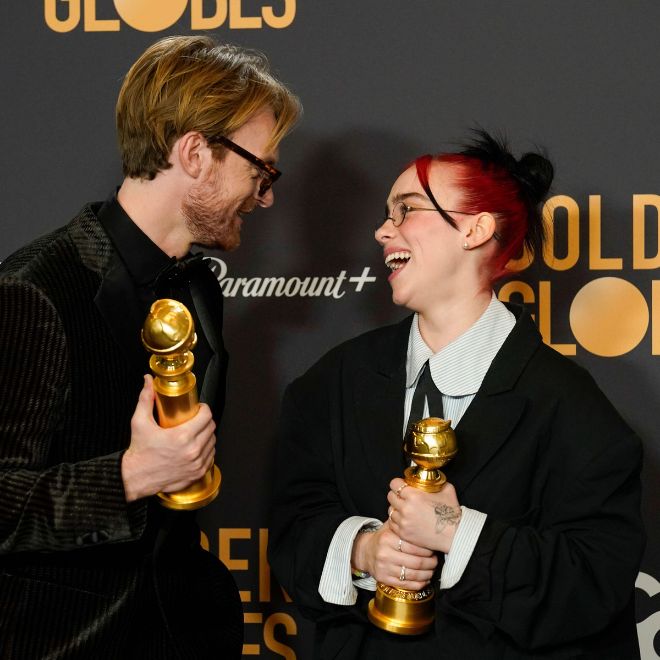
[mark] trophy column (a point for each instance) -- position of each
(169, 333)
(430, 444)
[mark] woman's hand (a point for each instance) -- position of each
(427, 520)
(393, 561)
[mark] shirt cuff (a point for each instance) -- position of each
(466, 537)
(337, 585)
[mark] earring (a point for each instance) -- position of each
(466, 246)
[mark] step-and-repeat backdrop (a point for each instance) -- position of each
(381, 82)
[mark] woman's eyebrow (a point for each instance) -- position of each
(401, 197)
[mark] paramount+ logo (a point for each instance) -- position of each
(158, 15)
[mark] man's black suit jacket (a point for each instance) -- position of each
(83, 574)
(541, 451)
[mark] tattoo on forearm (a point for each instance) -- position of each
(446, 515)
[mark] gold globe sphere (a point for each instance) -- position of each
(431, 443)
(168, 328)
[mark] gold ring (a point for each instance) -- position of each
(397, 492)
(402, 575)
(398, 547)
(389, 515)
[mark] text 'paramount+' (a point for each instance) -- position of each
(310, 286)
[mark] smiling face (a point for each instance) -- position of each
(214, 207)
(426, 255)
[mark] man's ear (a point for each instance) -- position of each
(192, 153)
(480, 230)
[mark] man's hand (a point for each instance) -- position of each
(165, 460)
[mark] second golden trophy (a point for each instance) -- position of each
(169, 334)
(430, 444)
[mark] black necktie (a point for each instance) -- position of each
(178, 270)
(425, 389)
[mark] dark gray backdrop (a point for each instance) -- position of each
(381, 82)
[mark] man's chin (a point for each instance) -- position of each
(219, 244)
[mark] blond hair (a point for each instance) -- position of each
(182, 84)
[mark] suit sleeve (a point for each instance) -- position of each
(46, 507)
(570, 572)
(307, 506)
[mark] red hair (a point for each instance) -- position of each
(491, 188)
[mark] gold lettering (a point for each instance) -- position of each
(264, 567)
(264, 571)
(511, 288)
(252, 617)
(200, 22)
(609, 316)
(93, 24)
(572, 233)
(66, 25)
(282, 21)
(225, 537)
(280, 619)
(150, 15)
(640, 260)
(527, 258)
(239, 22)
(545, 320)
(596, 260)
(518, 265)
(655, 316)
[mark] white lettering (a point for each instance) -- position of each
(218, 267)
(338, 283)
(650, 627)
(269, 284)
(290, 290)
(308, 287)
(362, 279)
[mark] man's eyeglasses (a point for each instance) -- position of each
(401, 209)
(269, 173)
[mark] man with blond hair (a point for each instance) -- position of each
(90, 565)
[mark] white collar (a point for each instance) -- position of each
(459, 368)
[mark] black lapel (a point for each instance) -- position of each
(115, 298)
(208, 299)
(379, 391)
(493, 414)
(123, 314)
(486, 425)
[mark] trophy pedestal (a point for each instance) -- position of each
(199, 494)
(402, 611)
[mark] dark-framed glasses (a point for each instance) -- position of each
(269, 173)
(400, 209)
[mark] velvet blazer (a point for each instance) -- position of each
(83, 574)
(541, 451)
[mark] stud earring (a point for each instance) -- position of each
(466, 246)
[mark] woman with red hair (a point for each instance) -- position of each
(534, 544)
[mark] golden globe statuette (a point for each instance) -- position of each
(430, 444)
(169, 333)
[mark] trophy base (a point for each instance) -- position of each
(200, 494)
(401, 611)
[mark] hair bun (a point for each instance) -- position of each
(535, 173)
